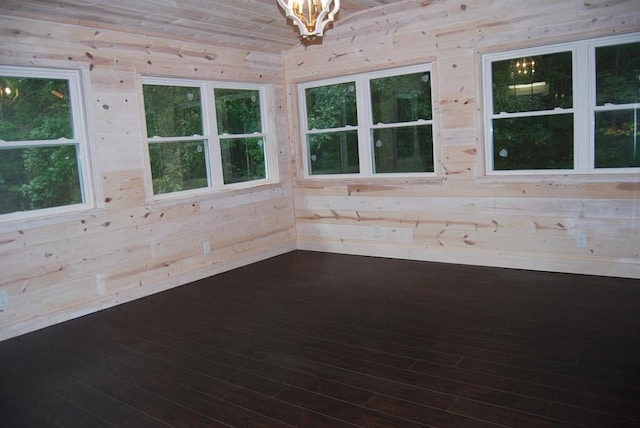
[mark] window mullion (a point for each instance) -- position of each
(365, 121)
(583, 100)
(210, 125)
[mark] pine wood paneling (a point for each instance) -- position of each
(129, 246)
(463, 216)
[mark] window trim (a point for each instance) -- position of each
(215, 177)
(364, 111)
(584, 105)
(80, 137)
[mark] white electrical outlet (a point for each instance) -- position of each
(206, 247)
(581, 240)
(4, 299)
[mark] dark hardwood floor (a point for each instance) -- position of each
(320, 340)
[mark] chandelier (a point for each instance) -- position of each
(311, 16)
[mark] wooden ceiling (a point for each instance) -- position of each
(247, 24)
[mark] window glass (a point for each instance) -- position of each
(618, 74)
(617, 138)
(334, 153)
(372, 123)
(617, 130)
(532, 122)
(242, 159)
(179, 165)
(35, 109)
(39, 148)
(199, 143)
(172, 111)
(238, 111)
(404, 98)
(532, 83)
(403, 149)
(332, 106)
(539, 142)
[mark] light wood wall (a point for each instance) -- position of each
(463, 217)
(129, 246)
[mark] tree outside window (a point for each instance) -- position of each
(539, 104)
(40, 149)
(375, 123)
(202, 136)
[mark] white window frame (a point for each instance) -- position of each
(213, 155)
(80, 138)
(584, 105)
(365, 125)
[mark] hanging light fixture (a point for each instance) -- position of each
(311, 16)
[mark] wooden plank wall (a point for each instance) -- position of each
(463, 217)
(58, 268)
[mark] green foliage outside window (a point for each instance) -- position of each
(533, 84)
(237, 113)
(175, 111)
(334, 153)
(617, 132)
(397, 100)
(242, 159)
(42, 175)
(330, 107)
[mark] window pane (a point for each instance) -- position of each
(178, 166)
(334, 153)
(618, 74)
(542, 142)
(34, 109)
(406, 149)
(535, 83)
(39, 177)
(404, 98)
(242, 159)
(618, 139)
(238, 111)
(172, 111)
(332, 106)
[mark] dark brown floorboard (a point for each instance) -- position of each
(322, 340)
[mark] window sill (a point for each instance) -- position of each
(374, 181)
(560, 178)
(207, 194)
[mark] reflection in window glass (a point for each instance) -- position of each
(618, 74)
(238, 111)
(172, 111)
(331, 106)
(39, 177)
(334, 153)
(179, 165)
(39, 149)
(403, 149)
(242, 159)
(404, 98)
(34, 109)
(532, 83)
(529, 143)
(617, 139)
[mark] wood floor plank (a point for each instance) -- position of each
(345, 411)
(427, 415)
(311, 339)
(286, 412)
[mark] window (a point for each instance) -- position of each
(369, 124)
(43, 144)
(568, 108)
(205, 135)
